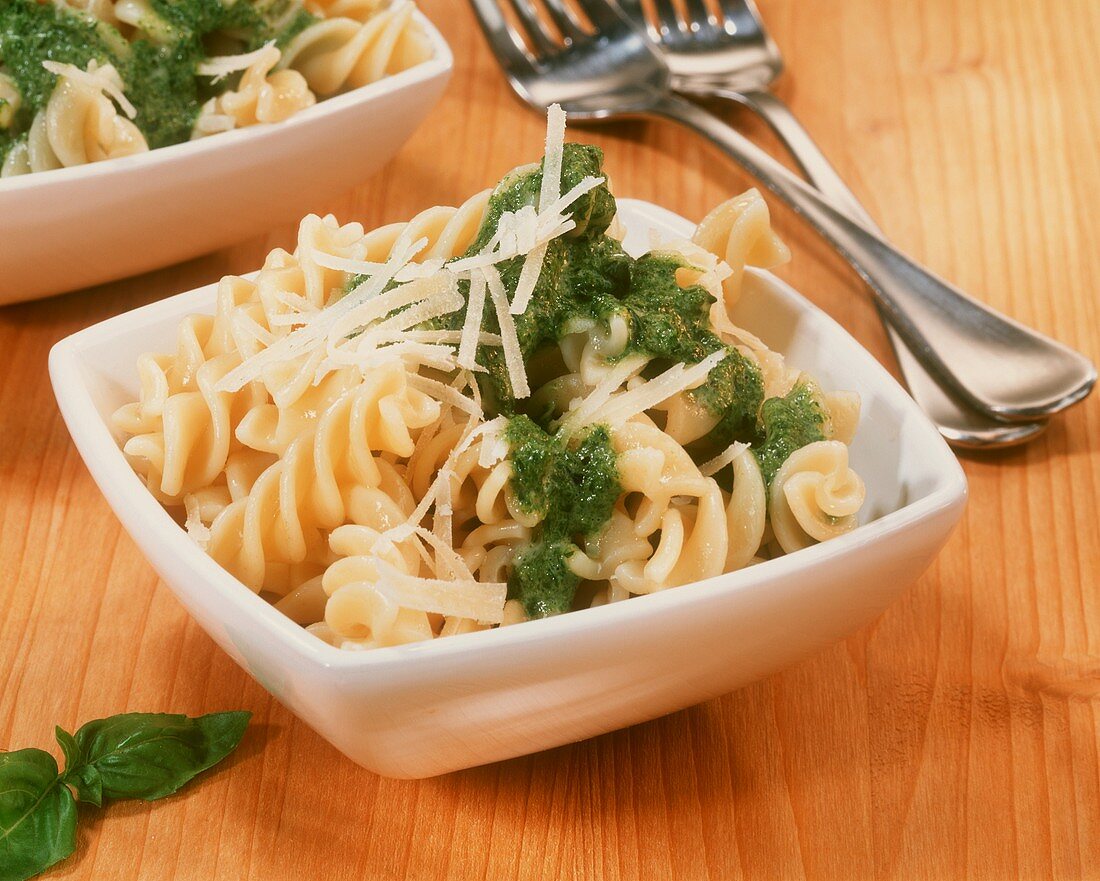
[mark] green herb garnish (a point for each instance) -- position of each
(133, 755)
(573, 488)
(788, 423)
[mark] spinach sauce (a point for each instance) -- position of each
(586, 274)
(159, 73)
(573, 488)
(788, 424)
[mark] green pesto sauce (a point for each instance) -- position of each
(583, 274)
(159, 76)
(672, 325)
(788, 424)
(586, 274)
(573, 488)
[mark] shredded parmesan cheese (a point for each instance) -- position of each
(475, 308)
(555, 150)
(316, 331)
(102, 78)
(484, 602)
(454, 559)
(723, 459)
(446, 394)
(219, 68)
(621, 408)
(494, 449)
(513, 355)
(586, 409)
(198, 531)
(366, 267)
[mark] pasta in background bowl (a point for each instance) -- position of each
(278, 129)
(85, 82)
(308, 456)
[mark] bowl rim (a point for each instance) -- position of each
(142, 515)
(440, 64)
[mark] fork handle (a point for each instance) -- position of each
(996, 365)
(804, 149)
(961, 425)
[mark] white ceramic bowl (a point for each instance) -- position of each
(74, 227)
(428, 708)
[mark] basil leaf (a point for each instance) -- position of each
(149, 755)
(84, 778)
(37, 814)
(87, 783)
(68, 746)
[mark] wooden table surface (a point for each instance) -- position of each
(956, 737)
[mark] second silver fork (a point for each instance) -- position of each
(732, 56)
(997, 365)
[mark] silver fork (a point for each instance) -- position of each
(614, 71)
(732, 56)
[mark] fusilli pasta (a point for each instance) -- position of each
(344, 53)
(491, 413)
(262, 96)
(87, 80)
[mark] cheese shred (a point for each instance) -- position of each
(222, 66)
(102, 78)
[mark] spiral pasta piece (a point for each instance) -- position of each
(310, 488)
(680, 516)
(344, 53)
(79, 124)
(360, 10)
(746, 512)
(815, 496)
(137, 14)
(357, 612)
(740, 233)
(448, 231)
(105, 11)
(182, 427)
(263, 96)
(10, 100)
(474, 492)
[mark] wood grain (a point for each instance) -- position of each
(957, 737)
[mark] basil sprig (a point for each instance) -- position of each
(133, 755)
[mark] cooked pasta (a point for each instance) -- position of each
(79, 124)
(344, 53)
(263, 95)
(86, 80)
(489, 414)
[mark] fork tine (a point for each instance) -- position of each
(505, 42)
(541, 38)
(740, 16)
(601, 13)
(668, 19)
(565, 20)
(637, 13)
(698, 16)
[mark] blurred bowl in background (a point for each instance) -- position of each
(74, 227)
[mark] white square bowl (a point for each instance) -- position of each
(429, 708)
(74, 227)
